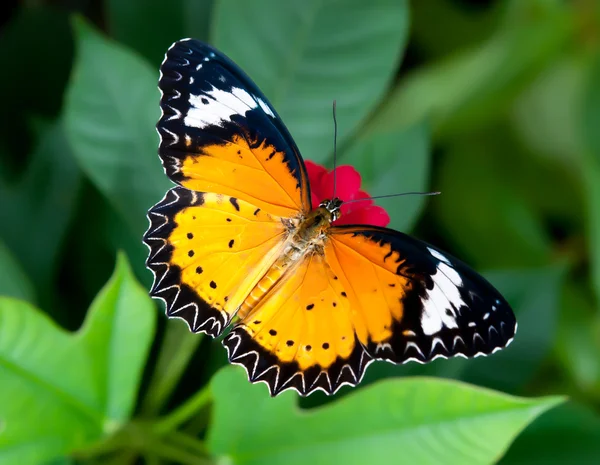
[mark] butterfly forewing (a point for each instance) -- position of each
(219, 133)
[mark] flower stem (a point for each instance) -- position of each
(184, 412)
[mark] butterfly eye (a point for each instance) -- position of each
(333, 207)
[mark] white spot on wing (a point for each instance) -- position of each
(221, 106)
(440, 303)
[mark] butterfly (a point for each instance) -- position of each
(237, 243)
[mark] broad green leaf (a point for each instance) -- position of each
(548, 114)
(466, 89)
(39, 206)
(393, 163)
(119, 238)
(303, 55)
(592, 180)
(578, 341)
(417, 420)
(13, 280)
(63, 391)
(591, 147)
(117, 335)
(535, 297)
(111, 110)
(60, 461)
(150, 26)
(568, 434)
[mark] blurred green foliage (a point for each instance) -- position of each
(495, 103)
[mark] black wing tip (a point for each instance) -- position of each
(180, 300)
(263, 366)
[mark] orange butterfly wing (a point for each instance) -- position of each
(219, 134)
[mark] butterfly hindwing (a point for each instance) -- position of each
(300, 336)
(207, 251)
(414, 302)
(219, 133)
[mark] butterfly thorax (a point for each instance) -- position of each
(314, 225)
(307, 235)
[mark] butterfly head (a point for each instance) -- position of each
(332, 207)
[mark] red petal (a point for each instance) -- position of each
(348, 183)
(315, 177)
(315, 172)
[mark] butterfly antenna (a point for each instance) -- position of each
(393, 195)
(334, 147)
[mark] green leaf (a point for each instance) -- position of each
(82, 385)
(151, 26)
(303, 55)
(535, 297)
(578, 341)
(176, 350)
(48, 192)
(111, 110)
(591, 146)
(467, 89)
(117, 335)
(547, 114)
(567, 434)
(418, 420)
(13, 280)
(392, 163)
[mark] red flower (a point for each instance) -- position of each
(347, 188)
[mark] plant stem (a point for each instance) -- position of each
(173, 453)
(189, 442)
(177, 348)
(184, 412)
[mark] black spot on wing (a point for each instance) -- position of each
(235, 203)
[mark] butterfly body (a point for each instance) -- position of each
(312, 302)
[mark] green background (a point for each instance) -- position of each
(494, 103)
